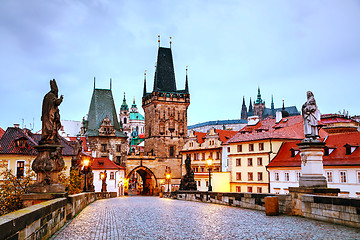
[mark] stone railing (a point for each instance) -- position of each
(340, 210)
(42, 220)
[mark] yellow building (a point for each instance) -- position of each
(202, 146)
(253, 147)
(17, 151)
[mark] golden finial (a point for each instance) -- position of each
(159, 40)
(170, 42)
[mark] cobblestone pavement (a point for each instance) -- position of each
(159, 218)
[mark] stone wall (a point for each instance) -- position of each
(340, 210)
(42, 220)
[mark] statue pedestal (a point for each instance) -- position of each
(30, 199)
(312, 169)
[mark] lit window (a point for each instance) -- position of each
(260, 176)
(250, 163)
(259, 161)
(238, 162)
(329, 176)
(276, 176)
(287, 178)
(250, 176)
(20, 167)
(259, 190)
(343, 177)
(238, 176)
(238, 188)
(251, 147)
(112, 176)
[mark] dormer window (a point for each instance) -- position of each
(21, 142)
(101, 163)
(294, 152)
(350, 149)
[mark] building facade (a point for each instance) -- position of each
(341, 163)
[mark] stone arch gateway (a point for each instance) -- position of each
(147, 184)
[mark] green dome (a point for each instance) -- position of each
(136, 116)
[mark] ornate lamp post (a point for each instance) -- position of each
(86, 166)
(168, 177)
(209, 163)
(103, 178)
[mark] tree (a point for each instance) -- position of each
(73, 183)
(11, 189)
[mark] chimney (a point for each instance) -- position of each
(253, 120)
(278, 116)
(16, 125)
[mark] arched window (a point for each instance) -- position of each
(125, 120)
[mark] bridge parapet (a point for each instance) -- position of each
(42, 220)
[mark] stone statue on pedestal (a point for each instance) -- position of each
(49, 161)
(311, 116)
(188, 181)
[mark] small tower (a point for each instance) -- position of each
(259, 105)
(243, 110)
(124, 115)
(134, 108)
(272, 106)
(250, 112)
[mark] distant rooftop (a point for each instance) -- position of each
(218, 122)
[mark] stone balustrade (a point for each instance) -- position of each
(42, 220)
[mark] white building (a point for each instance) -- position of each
(115, 175)
(341, 162)
(131, 120)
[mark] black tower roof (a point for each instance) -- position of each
(164, 79)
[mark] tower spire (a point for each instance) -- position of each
(186, 81)
(110, 83)
(159, 41)
(272, 102)
(144, 93)
(170, 42)
(94, 82)
(243, 110)
(283, 107)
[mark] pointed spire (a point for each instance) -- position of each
(283, 107)
(272, 102)
(243, 110)
(144, 93)
(243, 101)
(124, 106)
(164, 78)
(110, 83)
(94, 82)
(170, 42)
(186, 81)
(159, 41)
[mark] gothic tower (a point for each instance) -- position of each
(243, 110)
(259, 105)
(165, 110)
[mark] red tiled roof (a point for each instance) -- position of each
(8, 146)
(200, 136)
(104, 164)
(2, 131)
(337, 158)
(225, 135)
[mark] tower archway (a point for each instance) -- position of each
(142, 181)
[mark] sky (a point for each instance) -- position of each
(231, 47)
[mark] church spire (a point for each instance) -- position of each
(243, 110)
(251, 111)
(272, 102)
(164, 78)
(186, 81)
(124, 106)
(144, 93)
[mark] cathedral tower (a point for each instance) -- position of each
(165, 110)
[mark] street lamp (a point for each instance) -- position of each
(85, 164)
(168, 176)
(103, 177)
(209, 163)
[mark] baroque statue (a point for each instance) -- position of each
(49, 161)
(188, 181)
(311, 116)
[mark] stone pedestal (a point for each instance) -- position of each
(312, 169)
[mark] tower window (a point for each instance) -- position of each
(172, 151)
(125, 120)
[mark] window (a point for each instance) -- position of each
(199, 183)
(259, 190)
(239, 148)
(250, 163)
(228, 149)
(103, 147)
(195, 169)
(238, 162)
(238, 188)
(20, 167)
(203, 156)
(207, 183)
(261, 146)
(112, 175)
(251, 147)
(287, 176)
(260, 176)
(249, 189)
(195, 156)
(329, 176)
(172, 151)
(211, 155)
(343, 177)
(238, 176)
(358, 176)
(191, 144)
(297, 176)
(250, 176)
(276, 176)
(118, 148)
(217, 155)
(259, 161)
(100, 175)
(202, 169)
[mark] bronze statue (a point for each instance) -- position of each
(51, 115)
(311, 115)
(188, 182)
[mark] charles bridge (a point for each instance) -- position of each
(202, 215)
